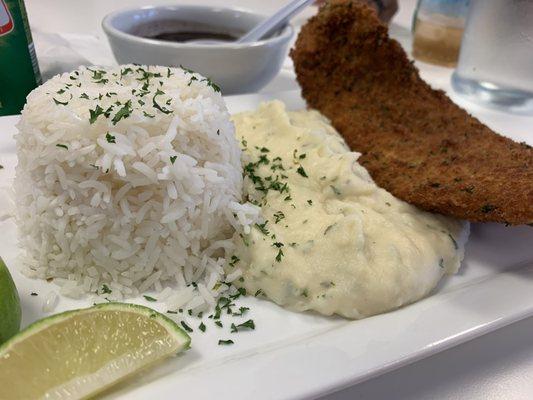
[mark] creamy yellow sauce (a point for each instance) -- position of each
(330, 239)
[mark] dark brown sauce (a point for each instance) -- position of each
(185, 36)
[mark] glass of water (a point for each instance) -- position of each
(495, 65)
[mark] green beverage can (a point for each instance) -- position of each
(19, 71)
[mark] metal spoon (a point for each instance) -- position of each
(268, 26)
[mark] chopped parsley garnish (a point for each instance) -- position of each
(63, 103)
(245, 325)
(310, 202)
(202, 327)
(302, 172)
(186, 327)
(97, 74)
(190, 71)
(191, 80)
(64, 146)
(173, 159)
(110, 138)
(242, 311)
(258, 293)
(218, 323)
(225, 342)
(164, 110)
(33, 294)
(441, 263)
(125, 71)
(278, 216)
(145, 113)
(211, 84)
(124, 112)
(234, 260)
(149, 298)
(455, 245)
(171, 312)
(84, 96)
(279, 255)
(105, 289)
(328, 229)
(94, 114)
(262, 228)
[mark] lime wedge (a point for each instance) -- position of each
(9, 305)
(78, 353)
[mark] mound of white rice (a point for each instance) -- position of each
(129, 180)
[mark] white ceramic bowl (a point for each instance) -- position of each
(236, 68)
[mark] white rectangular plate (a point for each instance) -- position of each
(291, 355)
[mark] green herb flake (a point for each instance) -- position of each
(110, 138)
(105, 289)
(219, 324)
(94, 114)
(149, 298)
(225, 342)
(63, 103)
(302, 172)
(64, 146)
(234, 260)
(202, 327)
(262, 228)
(124, 112)
(211, 84)
(279, 255)
(328, 229)
(310, 202)
(146, 114)
(278, 216)
(186, 327)
(455, 245)
(173, 159)
(248, 325)
(164, 110)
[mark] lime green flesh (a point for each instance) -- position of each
(9, 305)
(76, 354)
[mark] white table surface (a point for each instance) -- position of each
(496, 366)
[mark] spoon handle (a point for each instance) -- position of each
(274, 22)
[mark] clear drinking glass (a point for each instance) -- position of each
(495, 65)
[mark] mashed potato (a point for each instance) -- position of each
(331, 240)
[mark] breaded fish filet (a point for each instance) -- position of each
(414, 140)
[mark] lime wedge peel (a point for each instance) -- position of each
(79, 353)
(10, 312)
